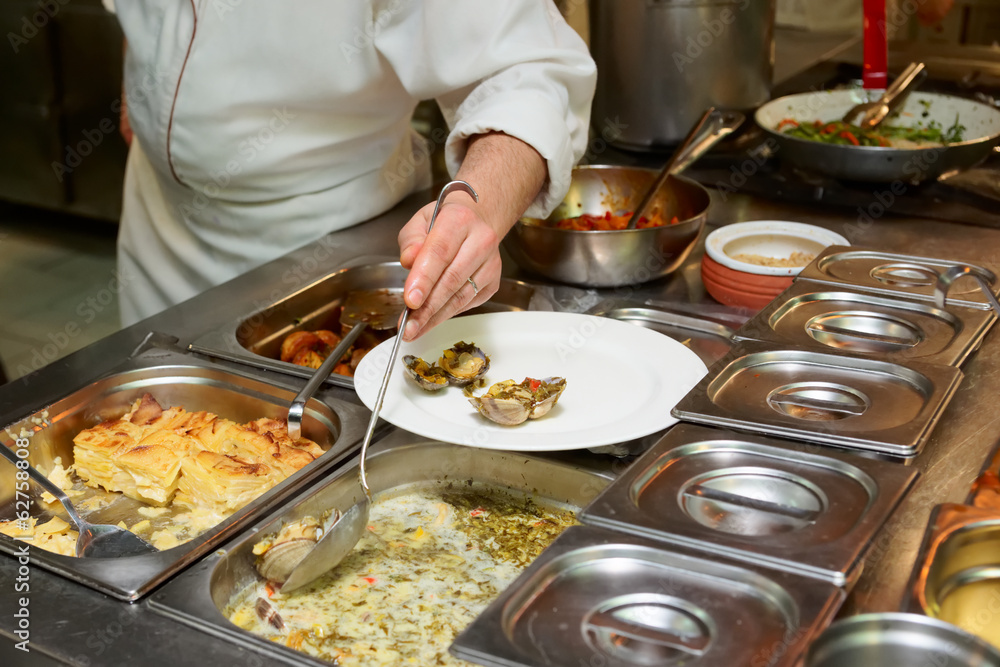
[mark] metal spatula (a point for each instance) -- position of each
(96, 540)
(346, 530)
(377, 309)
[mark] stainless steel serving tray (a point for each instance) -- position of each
(848, 320)
(709, 340)
(896, 275)
(173, 379)
(198, 596)
(255, 338)
(830, 399)
(792, 506)
(957, 572)
(600, 597)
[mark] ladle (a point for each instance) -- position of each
(693, 146)
(96, 540)
(345, 530)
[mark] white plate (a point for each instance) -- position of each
(621, 380)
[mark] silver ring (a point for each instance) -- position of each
(475, 287)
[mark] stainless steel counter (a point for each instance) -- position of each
(79, 626)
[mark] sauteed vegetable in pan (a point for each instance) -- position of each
(839, 132)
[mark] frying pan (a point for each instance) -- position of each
(880, 163)
(613, 258)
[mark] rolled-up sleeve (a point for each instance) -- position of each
(513, 66)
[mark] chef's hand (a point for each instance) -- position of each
(507, 174)
(462, 245)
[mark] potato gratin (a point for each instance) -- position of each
(192, 469)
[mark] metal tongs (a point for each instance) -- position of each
(344, 532)
(982, 276)
(875, 112)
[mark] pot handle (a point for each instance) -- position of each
(720, 124)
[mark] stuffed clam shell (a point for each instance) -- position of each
(510, 403)
(429, 377)
(464, 363)
(459, 366)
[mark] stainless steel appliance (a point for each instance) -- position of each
(661, 63)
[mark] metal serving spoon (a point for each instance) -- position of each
(96, 540)
(346, 530)
(373, 309)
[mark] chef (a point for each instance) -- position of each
(261, 126)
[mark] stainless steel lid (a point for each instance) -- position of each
(856, 322)
(831, 399)
(893, 274)
(601, 597)
(899, 639)
(709, 340)
(792, 506)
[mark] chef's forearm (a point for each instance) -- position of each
(506, 173)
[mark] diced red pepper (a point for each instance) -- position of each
(534, 384)
(787, 122)
(370, 580)
(850, 137)
(477, 512)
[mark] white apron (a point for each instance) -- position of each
(261, 126)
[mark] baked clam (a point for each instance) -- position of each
(510, 403)
(460, 365)
(464, 363)
(278, 555)
(429, 377)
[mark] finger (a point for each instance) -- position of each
(442, 263)
(487, 279)
(462, 300)
(478, 249)
(411, 236)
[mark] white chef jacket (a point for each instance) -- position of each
(261, 126)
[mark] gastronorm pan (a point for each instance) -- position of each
(198, 596)
(844, 319)
(600, 597)
(255, 338)
(709, 340)
(956, 577)
(173, 379)
(792, 506)
(895, 638)
(897, 275)
(830, 399)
